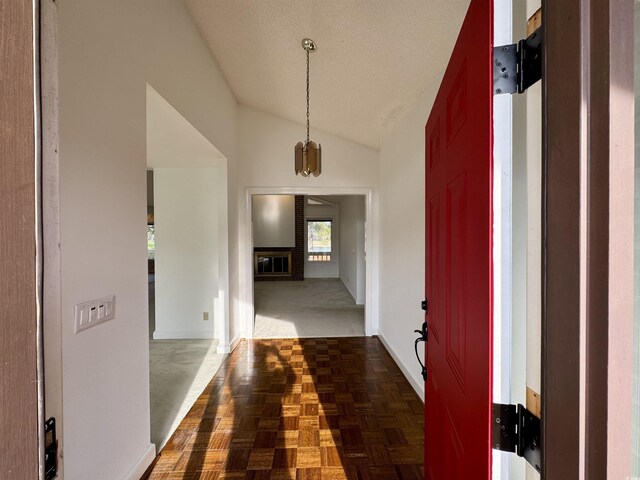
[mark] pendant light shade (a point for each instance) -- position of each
(308, 159)
(308, 155)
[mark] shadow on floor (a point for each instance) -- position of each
(244, 415)
(309, 409)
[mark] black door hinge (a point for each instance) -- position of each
(518, 66)
(517, 430)
(50, 449)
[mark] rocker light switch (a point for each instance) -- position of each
(94, 312)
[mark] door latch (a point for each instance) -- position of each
(422, 338)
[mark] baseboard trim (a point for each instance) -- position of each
(140, 468)
(355, 299)
(417, 386)
(236, 340)
(182, 335)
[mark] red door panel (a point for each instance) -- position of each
(458, 165)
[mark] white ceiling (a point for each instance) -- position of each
(374, 57)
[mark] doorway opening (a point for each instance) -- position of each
(187, 250)
(354, 201)
(309, 265)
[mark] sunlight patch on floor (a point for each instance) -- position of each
(179, 370)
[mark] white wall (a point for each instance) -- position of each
(352, 258)
(186, 258)
(274, 221)
(265, 154)
(329, 269)
(172, 142)
(402, 237)
(108, 52)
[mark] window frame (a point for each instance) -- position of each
(332, 253)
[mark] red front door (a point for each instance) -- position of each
(458, 280)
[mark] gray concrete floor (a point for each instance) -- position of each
(318, 307)
(179, 370)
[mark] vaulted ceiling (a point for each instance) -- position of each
(374, 57)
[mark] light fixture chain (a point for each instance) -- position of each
(307, 98)
(308, 154)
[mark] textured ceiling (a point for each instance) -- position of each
(374, 57)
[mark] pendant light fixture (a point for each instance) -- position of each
(308, 155)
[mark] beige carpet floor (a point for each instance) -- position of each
(319, 307)
(179, 370)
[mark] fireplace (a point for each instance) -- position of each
(269, 264)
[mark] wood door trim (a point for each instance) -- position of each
(562, 158)
(588, 162)
(610, 233)
(19, 326)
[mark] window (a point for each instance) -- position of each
(151, 241)
(319, 240)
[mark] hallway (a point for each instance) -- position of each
(308, 409)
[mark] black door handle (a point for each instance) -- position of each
(422, 338)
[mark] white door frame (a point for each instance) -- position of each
(371, 249)
(502, 236)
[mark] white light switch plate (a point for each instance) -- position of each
(94, 312)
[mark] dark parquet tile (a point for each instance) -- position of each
(301, 409)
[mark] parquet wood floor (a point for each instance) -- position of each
(301, 409)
